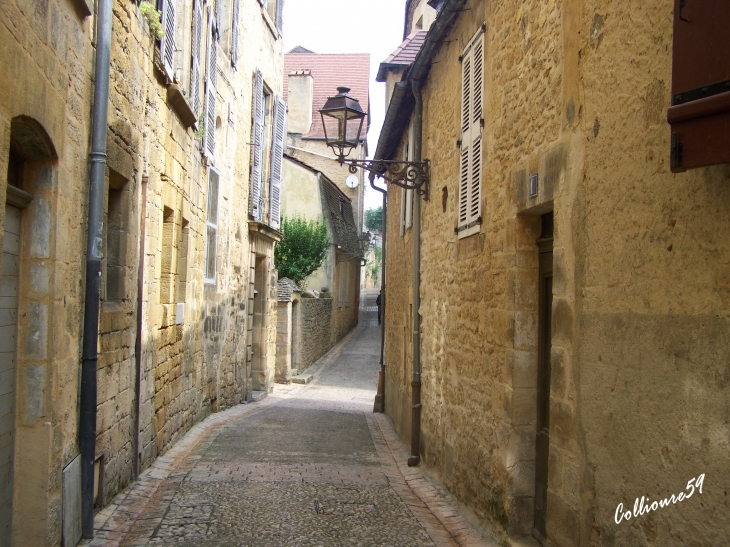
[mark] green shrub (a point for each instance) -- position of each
(303, 248)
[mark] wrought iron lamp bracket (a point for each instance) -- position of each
(406, 174)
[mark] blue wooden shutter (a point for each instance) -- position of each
(210, 92)
(167, 43)
(195, 57)
(234, 34)
(257, 150)
(277, 158)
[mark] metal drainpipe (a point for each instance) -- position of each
(379, 405)
(415, 458)
(97, 159)
(138, 337)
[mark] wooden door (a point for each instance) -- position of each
(8, 344)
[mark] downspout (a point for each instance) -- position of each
(415, 458)
(379, 405)
(97, 158)
(138, 338)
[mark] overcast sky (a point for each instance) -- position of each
(347, 26)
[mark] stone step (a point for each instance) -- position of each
(257, 396)
(303, 378)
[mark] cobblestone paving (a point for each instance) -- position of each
(308, 466)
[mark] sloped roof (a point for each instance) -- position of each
(404, 54)
(328, 71)
(285, 287)
(300, 49)
(338, 208)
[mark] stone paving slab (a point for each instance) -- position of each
(309, 465)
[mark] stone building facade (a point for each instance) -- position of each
(310, 194)
(574, 311)
(309, 79)
(188, 301)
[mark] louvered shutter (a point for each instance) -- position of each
(234, 34)
(470, 165)
(195, 61)
(277, 157)
(258, 144)
(210, 82)
(279, 15)
(167, 43)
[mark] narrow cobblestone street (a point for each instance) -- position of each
(309, 465)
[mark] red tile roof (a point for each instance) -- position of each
(329, 71)
(404, 54)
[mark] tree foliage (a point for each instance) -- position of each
(302, 249)
(374, 219)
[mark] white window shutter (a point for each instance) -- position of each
(470, 161)
(167, 43)
(277, 158)
(210, 91)
(257, 150)
(279, 15)
(234, 34)
(197, 45)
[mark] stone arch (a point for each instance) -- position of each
(30, 140)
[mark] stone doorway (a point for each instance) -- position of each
(9, 282)
(544, 336)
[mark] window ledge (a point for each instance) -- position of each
(82, 7)
(17, 197)
(181, 106)
(270, 23)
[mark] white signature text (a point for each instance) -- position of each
(642, 507)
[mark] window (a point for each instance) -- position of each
(257, 150)
(277, 159)
(234, 33)
(274, 8)
(114, 263)
(195, 53)
(472, 122)
(167, 272)
(210, 91)
(182, 262)
(267, 152)
(700, 111)
(167, 42)
(211, 227)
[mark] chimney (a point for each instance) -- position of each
(300, 97)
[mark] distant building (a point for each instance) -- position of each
(310, 194)
(309, 79)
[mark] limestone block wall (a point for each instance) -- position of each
(317, 335)
(575, 92)
(45, 85)
(195, 329)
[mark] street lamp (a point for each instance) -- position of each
(342, 119)
(363, 241)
